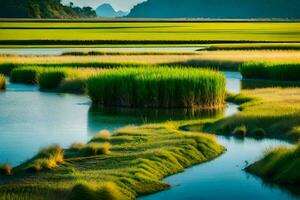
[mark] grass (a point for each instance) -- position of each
(271, 112)
(26, 75)
(6, 170)
(2, 82)
(253, 46)
(140, 157)
(280, 165)
(14, 33)
(224, 60)
(159, 87)
(271, 71)
(46, 159)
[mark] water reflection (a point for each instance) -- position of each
(120, 116)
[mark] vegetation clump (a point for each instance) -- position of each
(107, 191)
(271, 71)
(46, 159)
(280, 165)
(92, 149)
(25, 75)
(269, 112)
(240, 131)
(2, 82)
(158, 87)
(6, 169)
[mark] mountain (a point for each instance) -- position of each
(238, 9)
(42, 9)
(106, 10)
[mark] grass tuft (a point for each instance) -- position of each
(240, 131)
(6, 169)
(2, 82)
(46, 159)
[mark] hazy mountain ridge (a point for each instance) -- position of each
(42, 9)
(217, 9)
(106, 10)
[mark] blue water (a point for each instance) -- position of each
(30, 120)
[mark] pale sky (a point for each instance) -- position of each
(124, 5)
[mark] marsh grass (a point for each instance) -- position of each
(272, 113)
(2, 82)
(140, 157)
(25, 75)
(280, 165)
(6, 170)
(91, 149)
(271, 71)
(48, 158)
(159, 87)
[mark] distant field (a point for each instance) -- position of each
(151, 32)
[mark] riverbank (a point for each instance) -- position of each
(140, 157)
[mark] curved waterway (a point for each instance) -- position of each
(30, 120)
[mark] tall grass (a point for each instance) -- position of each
(48, 158)
(2, 82)
(271, 71)
(124, 53)
(25, 75)
(158, 87)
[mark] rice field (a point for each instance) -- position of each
(53, 33)
(159, 87)
(271, 71)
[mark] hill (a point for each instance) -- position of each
(230, 9)
(42, 9)
(106, 10)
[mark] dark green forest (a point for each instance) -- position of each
(42, 9)
(239, 9)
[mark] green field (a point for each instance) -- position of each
(161, 32)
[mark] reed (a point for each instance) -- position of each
(271, 71)
(25, 75)
(158, 87)
(2, 82)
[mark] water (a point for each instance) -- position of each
(30, 120)
(224, 178)
(59, 51)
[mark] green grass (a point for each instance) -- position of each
(280, 165)
(254, 46)
(158, 87)
(272, 113)
(140, 157)
(271, 71)
(2, 82)
(141, 33)
(25, 75)
(46, 159)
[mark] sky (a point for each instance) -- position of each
(124, 5)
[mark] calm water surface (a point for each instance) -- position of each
(58, 51)
(30, 120)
